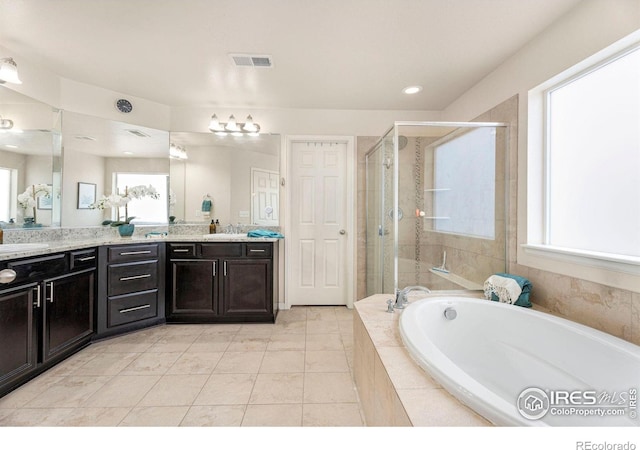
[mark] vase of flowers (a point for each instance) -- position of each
(29, 199)
(125, 227)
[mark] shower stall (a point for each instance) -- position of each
(436, 206)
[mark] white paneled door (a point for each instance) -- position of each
(318, 272)
(265, 188)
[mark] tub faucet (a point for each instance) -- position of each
(401, 295)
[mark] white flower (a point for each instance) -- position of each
(28, 198)
(117, 200)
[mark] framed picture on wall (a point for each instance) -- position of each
(86, 195)
(45, 202)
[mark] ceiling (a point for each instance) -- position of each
(327, 54)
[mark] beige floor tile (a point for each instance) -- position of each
(174, 390)
(331, 415)
(215, 342)
(326, 361)
(248, 343)
(122, 391)
(37, 417)
(151, 364)
(329, 388)
(277, 388)
(221, 328)
(239, 362)
(171, 344)
(286, 341)
(95, 417)
(257, 329)
(292, 314)
(343, 313)
(71, 364)
(71, 392)
(321, 313)
(214, 416)
(155, 416)
(179, 329)
(327, 341)
(195, 363)
(226, 389)
(283, 362)
(322, 326)
(106, 364)
(298, 326)
(273, 416)
(27, 392)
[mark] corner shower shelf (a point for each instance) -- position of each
(437, 190)
(436, 218)
(457, 279)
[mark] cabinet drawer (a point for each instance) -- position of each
(129, 308)
(125, 253)
(125, 278)
(182, 250)
(222, 249)
(258, 250)
(83, 259)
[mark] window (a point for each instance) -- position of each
(146, 209)
(592, 161)
(8, 195)
(464, 191)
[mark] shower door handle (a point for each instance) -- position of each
(342, 232)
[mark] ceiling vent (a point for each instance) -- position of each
(246, 60)
(138, 133)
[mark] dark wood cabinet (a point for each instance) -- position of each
(18, 335)
(131, 287)
(67, 312)
(47, 316)
(221, 282)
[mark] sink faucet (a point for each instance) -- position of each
(401, 295)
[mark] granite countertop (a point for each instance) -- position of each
(76, 244)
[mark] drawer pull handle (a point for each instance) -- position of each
(181, 250)
(141, 252)
(257, 251)
(37, 305)
(135, 308)
(86, 258)
(135, 277)
(51, 287)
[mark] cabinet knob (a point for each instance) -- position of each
(7, 276)
(342, 232)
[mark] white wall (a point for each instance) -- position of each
(81, 167)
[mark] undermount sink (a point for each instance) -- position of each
(225, 236)
(15, 248)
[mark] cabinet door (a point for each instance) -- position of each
(248, 288)
(17, 335)
(68, 312)
(193, 288)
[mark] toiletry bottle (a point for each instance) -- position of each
(1, 233)
(217, 225)
(212, 227)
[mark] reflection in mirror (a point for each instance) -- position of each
(240, 175)
(103, 158)
(29, 162)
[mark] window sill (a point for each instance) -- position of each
(616, 263)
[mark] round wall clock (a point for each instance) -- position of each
(124, 105)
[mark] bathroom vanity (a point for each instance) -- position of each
(53, 303)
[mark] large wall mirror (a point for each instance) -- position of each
(239, 174)
(30, 164)
(102, 158)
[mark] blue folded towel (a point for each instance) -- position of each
(525, 285)
(264, 234)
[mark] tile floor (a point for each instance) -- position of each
(296, 372)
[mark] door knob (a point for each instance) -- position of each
(7, 276)
(343, 232)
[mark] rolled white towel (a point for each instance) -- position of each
(507, 289)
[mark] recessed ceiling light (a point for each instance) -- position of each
(11, 146)
(128, 153)
(412, 89)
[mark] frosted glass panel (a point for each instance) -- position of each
(5, 194)
(464, 194)
(594, 160)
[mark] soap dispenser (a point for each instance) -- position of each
(212, 227)
(217, 226)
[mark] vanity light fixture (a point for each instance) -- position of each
(233, 127)
(412, 90)
(177, 152)
(5, 124)
(9, 71)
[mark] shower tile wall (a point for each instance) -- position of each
(615, 311)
